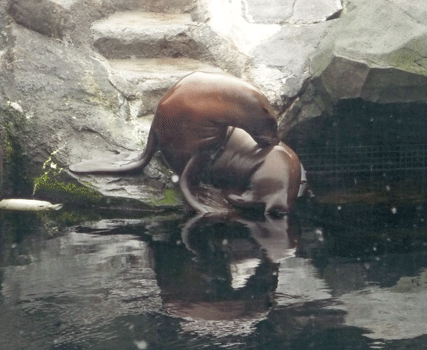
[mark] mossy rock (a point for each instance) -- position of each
(49, 186)
(172, 198)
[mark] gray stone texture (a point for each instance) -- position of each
(378, 52)
(291, 11)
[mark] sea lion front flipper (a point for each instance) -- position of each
(119, 163)
(201, 197)
(123, 162)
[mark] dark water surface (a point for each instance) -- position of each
(350, 276)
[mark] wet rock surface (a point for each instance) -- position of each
(78, 77)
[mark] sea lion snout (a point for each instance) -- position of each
(277, 212)
(265, 141)
(279, 204)
(264, 132)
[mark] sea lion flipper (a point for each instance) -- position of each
(103, 166)
(123, 162)
(201, 197)
(119, 163)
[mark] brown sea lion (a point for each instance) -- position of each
(246, 175)
(191, 121)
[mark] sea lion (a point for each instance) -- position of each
(191, 121)
(248, 176)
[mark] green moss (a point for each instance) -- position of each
(172, 197)
(97, 95)
(408, 60)
(8, 149)
(50, 186)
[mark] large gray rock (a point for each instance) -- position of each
(143, 34)
(70, 20)
(66, 108)
(279, 64)
(291, 11)
(43, 16)
(136, 34)
(376, 52)
(163, 6)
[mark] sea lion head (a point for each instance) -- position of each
(278, 181)
(257, 116)
(263, 127)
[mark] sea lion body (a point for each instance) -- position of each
(194, 115)
(249, 176)
(271, 176)
(219, 126)
(191, 120)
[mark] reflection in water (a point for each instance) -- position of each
(348, 277)
(226, 287)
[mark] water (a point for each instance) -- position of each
(348, 276)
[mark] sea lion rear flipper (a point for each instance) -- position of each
(201, 197)
(119, 163)
(123, 162)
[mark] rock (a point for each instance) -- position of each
(144, 81)
(2, 156)
(44, 16)
(270, 11)
(143, 34)
(291, 11)
(226, 18)
(125, 35)
(280, 64)
(160, 6)
(149, 52)
(70, 109)
(309, 12)
(376, 52)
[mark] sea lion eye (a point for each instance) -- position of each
(272, 123)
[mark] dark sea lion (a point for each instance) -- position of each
(248, 176)
(191, 121)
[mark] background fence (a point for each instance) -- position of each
(357, 159)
